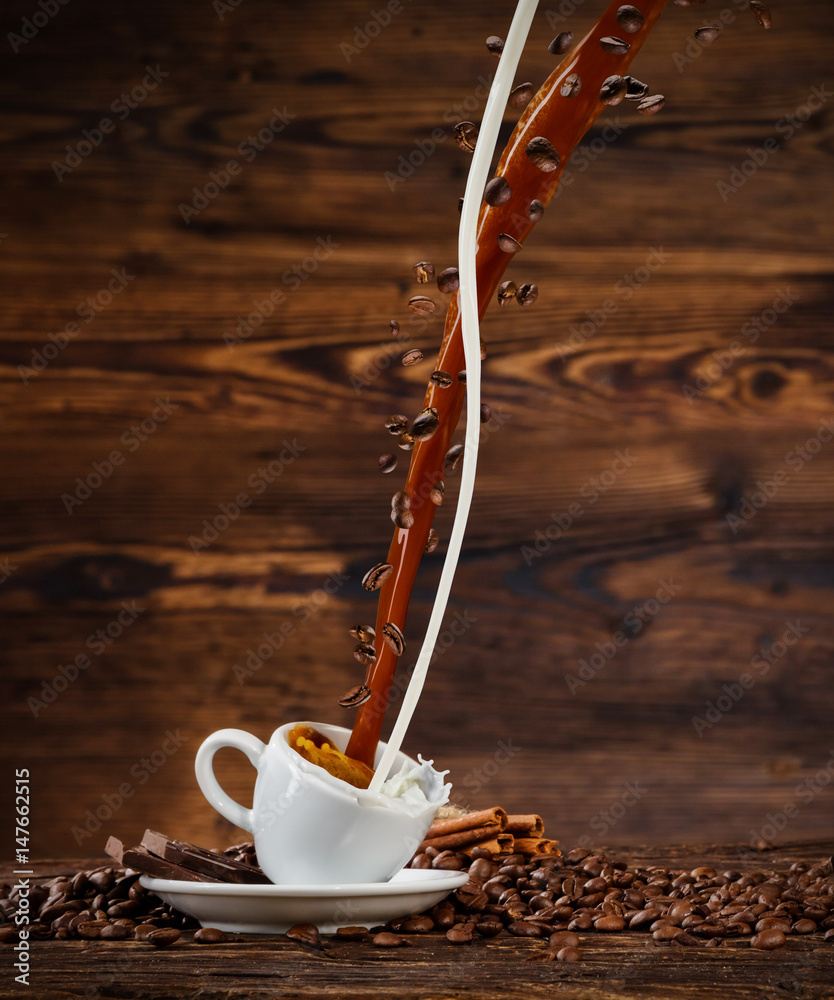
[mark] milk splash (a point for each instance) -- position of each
(416, 786)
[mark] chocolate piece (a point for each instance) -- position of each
(114, 849)
(143, 861)
(218, 867)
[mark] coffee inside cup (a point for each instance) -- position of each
(318, 749)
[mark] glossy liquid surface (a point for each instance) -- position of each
(563, 121)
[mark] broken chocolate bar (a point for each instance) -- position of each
(143, 861)
(198, 859)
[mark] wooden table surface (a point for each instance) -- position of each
(624, 966)
(506, 707)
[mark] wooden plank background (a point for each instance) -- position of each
(498, 709)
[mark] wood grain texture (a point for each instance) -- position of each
(613, 966)
(318, 376)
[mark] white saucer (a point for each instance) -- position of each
(273, 909)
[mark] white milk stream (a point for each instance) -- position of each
(468, 292)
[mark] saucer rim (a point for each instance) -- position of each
(417, 880)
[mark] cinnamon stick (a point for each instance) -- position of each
(535, 845)
(462, 838)
(485, 817)
(502, 843)
(527, 825)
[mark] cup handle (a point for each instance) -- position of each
(210, 786)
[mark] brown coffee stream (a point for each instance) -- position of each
(562, 121)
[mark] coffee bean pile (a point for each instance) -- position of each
(104, 904)
(558, 898)
(553, 898)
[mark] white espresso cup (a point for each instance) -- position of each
(311, 828)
